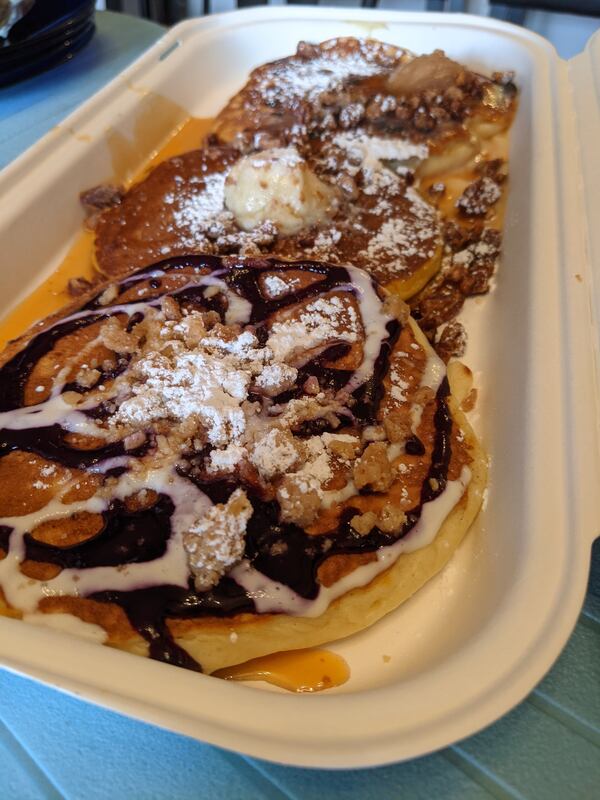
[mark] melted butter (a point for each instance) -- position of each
(52, 294)
(296, 670)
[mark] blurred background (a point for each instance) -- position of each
(568, 25)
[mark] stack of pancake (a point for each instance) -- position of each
(240, 441)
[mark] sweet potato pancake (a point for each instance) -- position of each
(331, 154)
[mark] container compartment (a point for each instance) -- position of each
(477, 638)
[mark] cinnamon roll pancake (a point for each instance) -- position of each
(214, 459)
(321, 155)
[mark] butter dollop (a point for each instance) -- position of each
(277, 185)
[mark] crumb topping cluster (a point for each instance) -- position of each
(215, 542)
(235, 402)
(469, 262)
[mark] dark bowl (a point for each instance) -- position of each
(38, 47)
(59, 52)
(47, 19)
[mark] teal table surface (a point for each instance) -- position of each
(54, 746)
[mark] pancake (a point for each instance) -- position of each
(387, 228)
(363, 84)
(169, 213)
(329, 154)
(215, 458)
(276, 106)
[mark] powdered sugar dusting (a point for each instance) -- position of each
(398, 386)
(308, 79)
(196, 212)
(322, 320)
(216, 541)
(274, 454)
(206, 381)
(406, 238)
(276, 286)
(367, 152)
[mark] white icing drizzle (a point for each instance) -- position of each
(435, 371)
(332, 496)
(374, 322)
(238, 312)
(433, 375)
(110, 463)
(239, 309)
(273, 597)
(171, 568)
(53, 411)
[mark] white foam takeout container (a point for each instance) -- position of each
(478, 637)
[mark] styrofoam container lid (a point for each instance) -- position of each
(584, 73)
(479, 636)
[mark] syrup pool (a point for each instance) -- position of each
(296, 670)
(52, 294)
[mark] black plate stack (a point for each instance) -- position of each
(48, 34)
